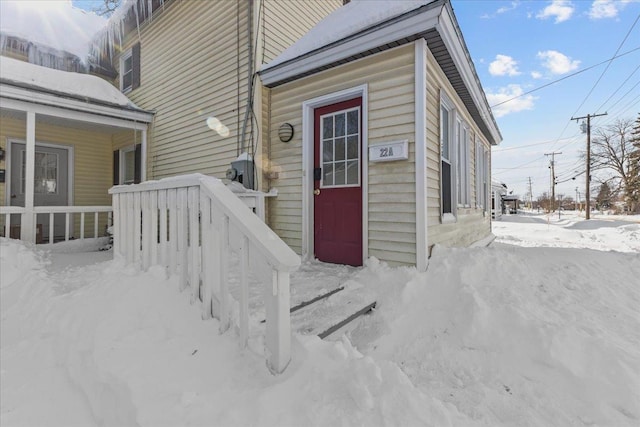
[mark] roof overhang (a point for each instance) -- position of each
(436, 23)
(30, 99)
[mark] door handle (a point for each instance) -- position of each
(316, 191)
(13, 196)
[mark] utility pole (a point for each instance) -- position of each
(553, 178)
(530, 195)
(577, 200)
(588, 178)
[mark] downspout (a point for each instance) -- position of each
(243, 136)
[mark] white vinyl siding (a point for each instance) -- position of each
(391, 196)
(285, 21)
(194, 64)
(469, 224)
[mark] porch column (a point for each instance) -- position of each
(143, 155)
(27, 229)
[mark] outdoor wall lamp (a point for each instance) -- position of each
(285, 133)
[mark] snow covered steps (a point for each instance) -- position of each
(328, 312)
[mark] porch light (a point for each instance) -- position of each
(285, 133)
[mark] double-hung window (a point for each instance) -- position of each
(126, 72)
(462, 163)
(480, 200)
(127, 163)
(447, 152)
(130, 69)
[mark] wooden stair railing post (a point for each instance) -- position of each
(244, 292)
(173, 230)
(130, 231)
(116, 224)
(194, 242)
(145, 203)
(153, 209)
(207, 256)
(137, 228)
(223, 255)
(163, 245)
(183, 237)
(278, 322)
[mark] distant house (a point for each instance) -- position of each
(368, 119)
(16, 47)
(498, 193)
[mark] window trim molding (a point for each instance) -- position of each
(126, 55)
(308, 108)
(70, 174)
(445, 101)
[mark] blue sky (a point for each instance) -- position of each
(518, 46)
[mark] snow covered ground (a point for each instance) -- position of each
(542, 328)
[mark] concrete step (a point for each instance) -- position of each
(331, 311)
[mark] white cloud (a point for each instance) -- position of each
(503, 65)
(504, 9)
(560, 9)
(505, 94)
(601, 9)
(557, 63)
(536, 74)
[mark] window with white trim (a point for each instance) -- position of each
(127, 165)
(126, 72)
(130, 69)
(480, 201)
(462, 164)
(447, 175)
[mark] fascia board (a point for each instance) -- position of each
(21, 94)
(448, 33)
(409, 27)
(55, 111)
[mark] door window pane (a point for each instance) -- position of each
(340, 154)
(327, 174)
(340, 124)
(339, 149)
(45, 173)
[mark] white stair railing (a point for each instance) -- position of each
(190, 225)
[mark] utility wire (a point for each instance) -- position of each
(566, 77)
(607, 67)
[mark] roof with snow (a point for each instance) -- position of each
(362, 28)
(81, 87)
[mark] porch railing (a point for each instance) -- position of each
(94, 212)
(190, 225)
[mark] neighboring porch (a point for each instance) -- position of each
(66, 139)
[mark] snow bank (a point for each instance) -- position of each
(536, 336)
(109, 345)
(497, 336)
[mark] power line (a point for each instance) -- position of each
(608, 65)
(566, 77)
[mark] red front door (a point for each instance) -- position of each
(337, 206)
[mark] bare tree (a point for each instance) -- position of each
(107, 8)
(611, 150)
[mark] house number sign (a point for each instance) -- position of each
(388, 151)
